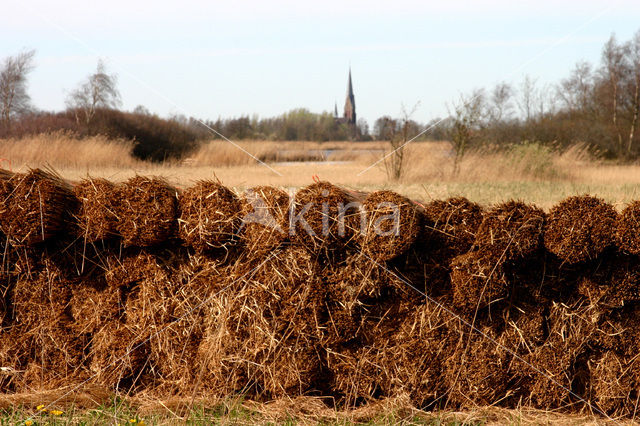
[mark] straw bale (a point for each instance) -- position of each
(511, 230)
(118, 357)
(478, 371)
(6, 175)
(611, 283)
(452, 224)
(614, 382)
(369, 367)
(265, 218)
(580, 228)
(416, 358)
(94, 306)
(548, 376)
(352, 288)
(130, 269)
(56, 357)
(171, 306)
(393, 224)
(147, 210)
(619, 331)
(35, 207)
(210, 216)
(97, 219)
(628, 229)
(42, 298)
(263, 329)
(323, 218)
(10, 358)
(478, 282)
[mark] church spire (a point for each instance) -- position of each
(350, 103)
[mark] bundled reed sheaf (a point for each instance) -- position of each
(265, 218)
(35, 207)
(451, 224)
(147, 210)
(580, 228)
(325, 217)
(210, 216)
(41, 340)
(510, 231)
(628, 229)
(96, 216)
(477, 282)
(462, 307)
(393, 224)
(262, 334)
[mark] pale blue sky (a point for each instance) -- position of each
(210, 59)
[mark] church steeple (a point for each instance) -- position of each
(350, 103)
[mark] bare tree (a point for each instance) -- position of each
(398, 132)
(576, 92)
(14, 98)
(98, 91)
(466, 119)
(501, 106)
(634, 56)
(527, 99)
(613, 64)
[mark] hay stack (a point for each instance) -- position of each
(477, 371)
(42, 298)
(363, 369)
(510, 230)
(43, 342)
(393, 224)
(35, 206)
(614, 382)
(96, 217)
(118, 356)
(56, 358)
(619, 331)
(353, 288)
(580, 228)
(262, 332)
(628, 229)
(416, 358)
(210, 216)
(561, 361)
(478, 282)
(94, 306)
(325, 217)
(13, 358)
(265, 219)
(147, 211)
(612, 283)
(169, 304)
(452, 224)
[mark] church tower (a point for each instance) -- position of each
(350, 103)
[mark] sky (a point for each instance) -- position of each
(210, 59)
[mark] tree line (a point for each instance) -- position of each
(595, 104)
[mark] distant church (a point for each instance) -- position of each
(349, 114)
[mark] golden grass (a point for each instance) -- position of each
(531, 173)
(63, 151)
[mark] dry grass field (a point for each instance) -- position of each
(531, 172)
